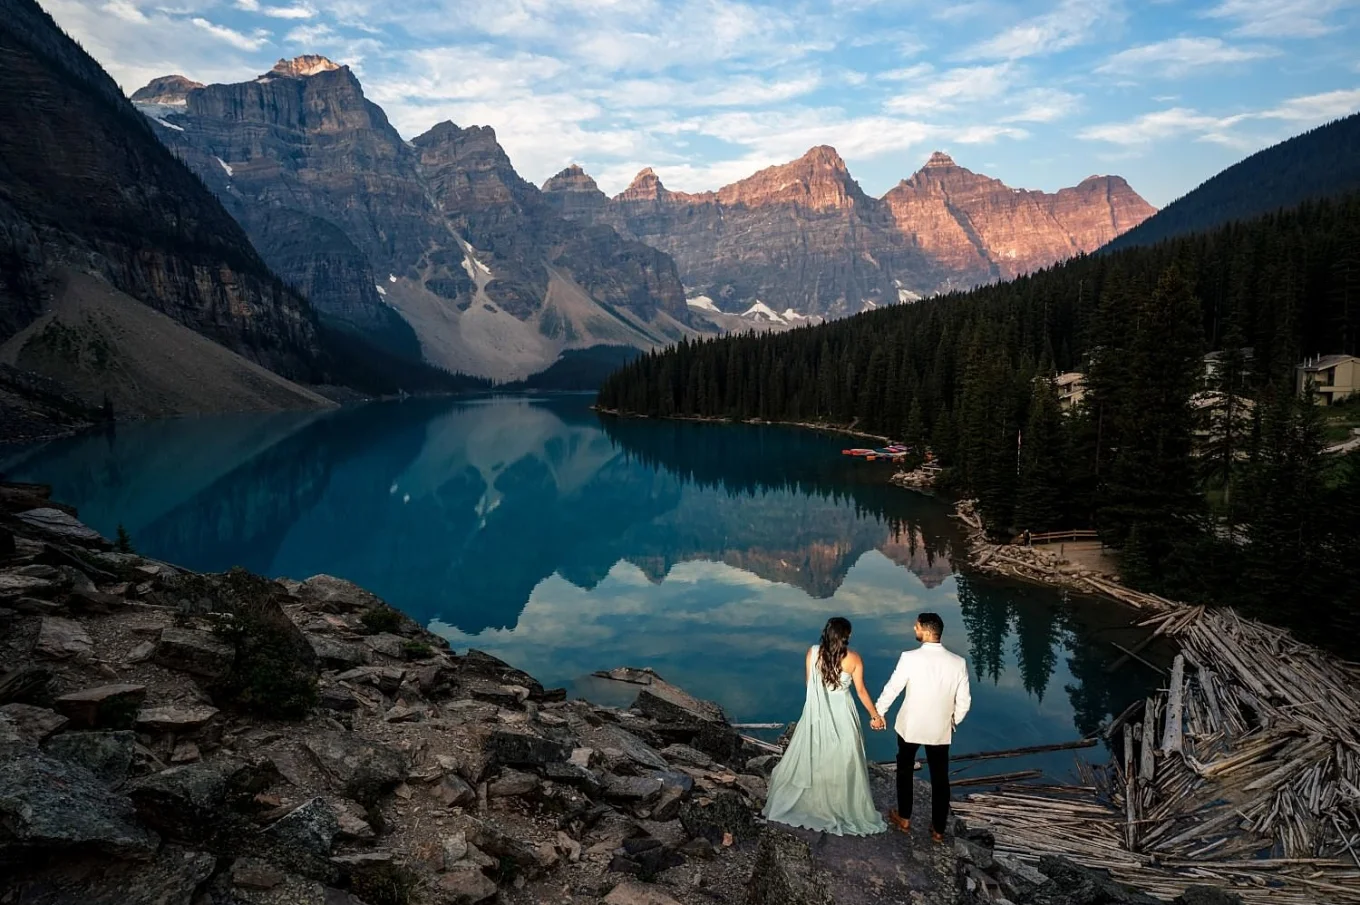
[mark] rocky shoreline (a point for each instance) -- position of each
(169, 737)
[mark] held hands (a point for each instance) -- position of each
(878, 724)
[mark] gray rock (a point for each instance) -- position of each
(337, 698)
(177, 718)
(632, 789)
(335, 595)
(453, 792)
(668, 703)
(754, 786)
(570, 774)
(333, 654)
(108, 755)
(511, 784)
(62, 639)
(585, 758)
(465, 886)
(726, 813)
(104, 707)
(51, 804)
(34, 723)
(185, 802)
(173, 877)
(684, 754)
(763, 765)
(506, 747)
(477, 665)
(357, 767)
(631, 892)
(198, 653)
(253, 873)
(633, 748)
(301, 839)
(494, 840)
(1072, 884)
(56, 523)
(387, 644)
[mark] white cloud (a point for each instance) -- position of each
(948, 89)
(1316, 108)
(1299, 112)
(125, 10)
(310, 34)
(232, 36)
(1176, 57)
(249, 5)
(1278, 18)
(288, 12)
(1157, 126)
(1067, 25)
(1043, 105)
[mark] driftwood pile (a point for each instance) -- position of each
(1243, 771)
(922, 478)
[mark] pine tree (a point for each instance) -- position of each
(1043, 458)
(1152, 484)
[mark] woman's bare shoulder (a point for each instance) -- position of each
(851, 660)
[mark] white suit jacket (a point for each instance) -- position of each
(933, 683)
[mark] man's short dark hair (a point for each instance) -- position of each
(932, 624)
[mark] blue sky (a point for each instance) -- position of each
(1040, 93)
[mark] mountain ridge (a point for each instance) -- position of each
(942, 228)
(382, 234)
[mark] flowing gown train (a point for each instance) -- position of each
(822, 782)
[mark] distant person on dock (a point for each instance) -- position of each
(822, 782)
(933, 683)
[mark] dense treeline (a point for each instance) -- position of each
(1321, 163)
(1233, 503)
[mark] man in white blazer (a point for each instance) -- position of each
(933, 683)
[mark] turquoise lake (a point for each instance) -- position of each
(564, 542)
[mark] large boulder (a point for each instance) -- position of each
(175, 876)
(198, 653)
(357, 767)
(479, 673)
(108, 755)
(188, 802)
(34, 723)
(336, 595)
(508, 747)
(61, 526)
(104, 707)
(61, 639)
(48, 804)
(1071, 884)
(301, 840)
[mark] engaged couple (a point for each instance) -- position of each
(822, 782)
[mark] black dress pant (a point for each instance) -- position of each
(937, 758)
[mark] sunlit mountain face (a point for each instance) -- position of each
(566, 542)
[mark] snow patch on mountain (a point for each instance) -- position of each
(703, 302)
(226, 166)
(762, 312)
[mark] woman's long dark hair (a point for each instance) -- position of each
(835, 645)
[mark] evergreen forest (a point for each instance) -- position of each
(1233, 503)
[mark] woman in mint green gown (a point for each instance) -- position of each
(822, 782)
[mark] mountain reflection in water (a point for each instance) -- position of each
(567, 543)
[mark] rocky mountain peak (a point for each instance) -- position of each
(168, 90)
(818, 180)
(646, 186)
(824, 156)
(571, 179)
(940, 159)
(301, 67)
